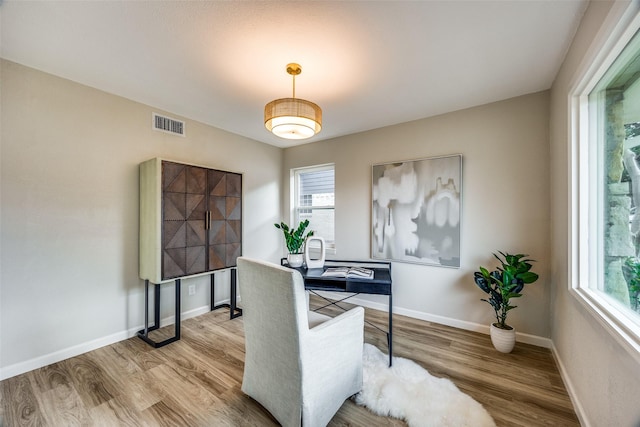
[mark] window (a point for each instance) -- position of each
(314, 199)
(606, 209)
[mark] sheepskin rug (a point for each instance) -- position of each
(407, 391)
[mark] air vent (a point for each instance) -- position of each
(169, 125)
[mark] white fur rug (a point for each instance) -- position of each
(407, 391)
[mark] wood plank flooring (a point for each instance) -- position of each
(196, 381)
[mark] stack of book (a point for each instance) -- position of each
(348, 272)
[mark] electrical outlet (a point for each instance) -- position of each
(192, 290)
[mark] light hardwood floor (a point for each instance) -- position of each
(196, 381)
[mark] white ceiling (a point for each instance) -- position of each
(367, 64)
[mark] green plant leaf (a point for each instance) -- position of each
(528, 277)
(295, 237)
(508, 279)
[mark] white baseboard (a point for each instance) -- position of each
(57, 356)
(448, 321)
(76, 350)
(582, 418)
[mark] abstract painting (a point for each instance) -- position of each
(415, 215)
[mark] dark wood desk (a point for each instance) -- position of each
(381, 284)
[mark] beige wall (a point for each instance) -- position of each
(505, 205)
(69, 212)
(603, 378)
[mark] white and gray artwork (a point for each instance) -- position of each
(416, 211)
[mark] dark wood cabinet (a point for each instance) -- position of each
(190, 220)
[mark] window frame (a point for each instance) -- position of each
(330, 247)
(585, 257)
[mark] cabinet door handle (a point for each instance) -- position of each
(207, 220)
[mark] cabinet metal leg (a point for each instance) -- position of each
(234, 311)
(177, 309)
(144, 333)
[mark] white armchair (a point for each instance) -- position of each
(301, 366)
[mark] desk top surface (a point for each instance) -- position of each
(380, 283)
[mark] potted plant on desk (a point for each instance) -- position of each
(295, 239)
(502, 284)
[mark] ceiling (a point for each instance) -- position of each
(367, 64)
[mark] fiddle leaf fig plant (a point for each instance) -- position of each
(505, 282)
(295, 238)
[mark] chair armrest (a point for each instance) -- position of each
(353, 317)
(331, 362)
(336, 342)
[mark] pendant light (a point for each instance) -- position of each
(293, 118)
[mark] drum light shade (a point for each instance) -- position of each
(293, 118)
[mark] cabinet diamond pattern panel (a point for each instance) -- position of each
(196, 180)
(174, 206)
(234, 185)
(217, 256)
(175, 234)
(233, 210)
(174, 262)
(217, 206)
(233, 232)
(195, 206)
(195, 259)
(217, 235)
(233, 251)
(196, 234)
(193, 214)
(217, 183)
(173, 178)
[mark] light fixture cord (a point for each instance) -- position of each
(294, 85)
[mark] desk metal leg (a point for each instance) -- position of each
(390, 333)
(144, 333)
(234, 311)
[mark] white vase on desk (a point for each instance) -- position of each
(295, 260)
(318, 262)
